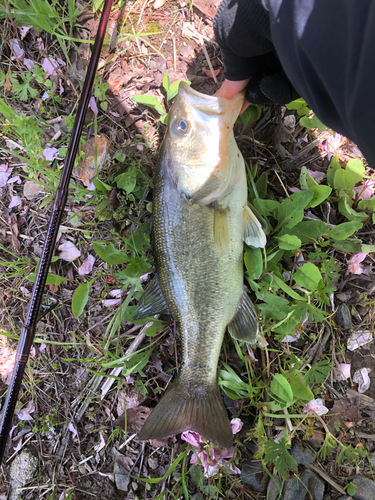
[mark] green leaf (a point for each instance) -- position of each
(348, 211)
(127, 181)
(286, 288)
(308, 276)
(300, 388)
(80, 298)
(154, 329)
(367, 248)
(109, 254)
(261, 185)
(356, 169)
(290, 212)
(166, 81)
(343, 179)
(309, 230)
(254, 262)
(137, 267)
(350, 245)
(333, 167)
(281, 387)
(101, 186)
(289, 242)
(346, 229)
(266, 207)
(250, 115)
(317, 373)
(296, 104)
(151, 101)
(275, 307)
(321, 193)
(52, 279)
(136, 362)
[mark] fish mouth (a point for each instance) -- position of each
(210, 104)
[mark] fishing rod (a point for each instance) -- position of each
(28, 330)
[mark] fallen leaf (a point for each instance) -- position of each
(31, 189)
(135, 418)
(69, 251)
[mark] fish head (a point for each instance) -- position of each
(199, 143)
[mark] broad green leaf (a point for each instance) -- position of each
(368, 248)
(321, 193)
(296, 104)
(367, 204)
(136, 362)
(101, 186)
(250, 115)
(309, 230)
(356, 169)
(281, 387)
(166, 81)
(300, 389)
(137, 267)
(290, 212)
(109, 254)
(254, 262)
(308, 276)
(275, 307)
(349, 212)
(151, 101)
(52, 279)
(289, 242)
(261, 185)
(303, 179)
(154, 329)
(346, 229)
(80, 298)
(127, 181)
(333, 167)
(266, 207)
(350, 245)
(343, 179)
(286, 288)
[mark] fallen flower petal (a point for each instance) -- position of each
(341, 373)
(40, 44)
(43, 348)
(16, 178)
(15, 46)
(61, 88)
(358, 339)
(69, 251)
(29, 63)
(354, 266)
(23, 30)
(18, 445)
(73, 430)
(50, 65)
(361, 378)
(15, 201)
(236, 424)
(24, 413)
(4, 176)
(315, 406)
(251, 354)
(192, 438)
(290, 338)
(129, 379)
(12, 429)
(111, 302)
(50, 153)
(87, 265)
(316, 175)
(115, 293)
(25, 291)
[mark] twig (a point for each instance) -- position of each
(141, 13)
(326, 478)
(208, 60)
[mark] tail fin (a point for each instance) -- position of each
(191, 407)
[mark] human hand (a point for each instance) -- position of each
(230, 88)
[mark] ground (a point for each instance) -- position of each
(94, 375)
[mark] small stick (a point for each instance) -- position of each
(208, 61)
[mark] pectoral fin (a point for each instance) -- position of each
(152, 301)
(244, 325)
(221, 234)
(253, 232)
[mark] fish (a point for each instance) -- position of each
(200, 221)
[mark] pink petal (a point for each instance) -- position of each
(15, 201)
(24, 413)
(87, 265)
(40, 44)
(158, 3)
(15, 46)
(43, 348)
(7, 361)
(280, 435)
(129, 379)
(25, 291)
(4, 176)
(290, 338)
(69, 251)
(12, 429)
(362, 379)
(61, 88)
(50, 153)
(92, 105)
(144, 277)
(317, 176)
(23, 31)
(115, 293)
(315, 406)
(192, 438)
(111, 302)
(341, 373)
(50, 65)
(16, 178)
(29, 63)
(251, 354)
(236, 424)
(45, 96)
(357, 258)
(73, 430)
(18, 445)
(358, 339)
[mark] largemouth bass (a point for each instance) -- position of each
(200, 220)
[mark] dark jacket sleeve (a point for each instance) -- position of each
(327, 50)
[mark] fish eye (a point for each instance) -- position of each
(182, 126)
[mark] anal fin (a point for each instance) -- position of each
(221, 234)
(253, 232)
(244, 325)
(152, 301)
(189, 406)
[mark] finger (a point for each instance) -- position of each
(230, 88)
